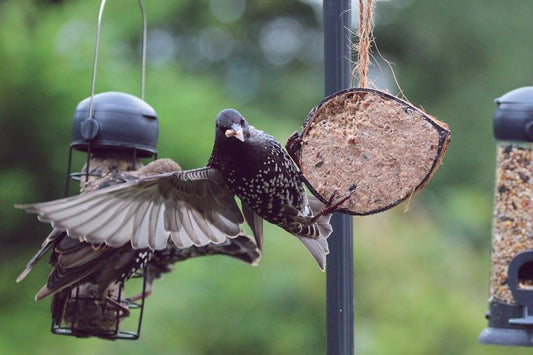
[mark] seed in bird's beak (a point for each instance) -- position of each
(235, 131)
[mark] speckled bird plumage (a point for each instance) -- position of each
(263, 176)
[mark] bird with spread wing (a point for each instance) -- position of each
(197, 207)
(95, 270)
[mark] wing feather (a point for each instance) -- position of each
(139, 240)
(193, 207)
(256, 224)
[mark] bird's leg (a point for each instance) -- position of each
(293, 146)
(140, 296)
(147, 291)
(331, 206)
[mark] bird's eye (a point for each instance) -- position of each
(242, 121)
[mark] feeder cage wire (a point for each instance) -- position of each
(108, 123)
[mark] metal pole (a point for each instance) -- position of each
(340, 300)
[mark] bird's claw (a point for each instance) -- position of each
(139, 296)
(331, 206)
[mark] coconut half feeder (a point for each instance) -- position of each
(510, 314)
(377, 147)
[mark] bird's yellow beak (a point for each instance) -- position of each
(235, 131)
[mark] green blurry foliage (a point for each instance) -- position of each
(421, 276)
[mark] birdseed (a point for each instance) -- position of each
(512, 228)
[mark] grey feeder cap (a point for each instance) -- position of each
(513, 119)
(119, 121)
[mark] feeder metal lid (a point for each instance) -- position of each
(119, 121)
(513, 119)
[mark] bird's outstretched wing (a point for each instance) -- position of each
(49, 243)
(192, 207)
(241, 247)
(74, 261)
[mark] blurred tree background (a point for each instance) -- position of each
(421, 276)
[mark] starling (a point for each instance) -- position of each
(197, 207)
(263, 176)
(95, 271)
(74, 260)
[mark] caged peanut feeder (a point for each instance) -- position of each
(115, 130)
(109, 149)
(510, 313)
(371, 144)
(84, 314)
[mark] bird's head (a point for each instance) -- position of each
(231, 124)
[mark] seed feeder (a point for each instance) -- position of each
(110, 128)
(510, 314)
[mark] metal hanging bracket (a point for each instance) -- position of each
(115, 120)
(97, 47)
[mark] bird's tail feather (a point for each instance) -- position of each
(318, 247)
(324, 227)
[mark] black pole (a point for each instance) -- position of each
(340, 300)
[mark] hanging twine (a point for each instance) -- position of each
(365, 41)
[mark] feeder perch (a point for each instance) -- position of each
(510, 314)
(371, 144)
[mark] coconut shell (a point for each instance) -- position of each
(370, 143)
